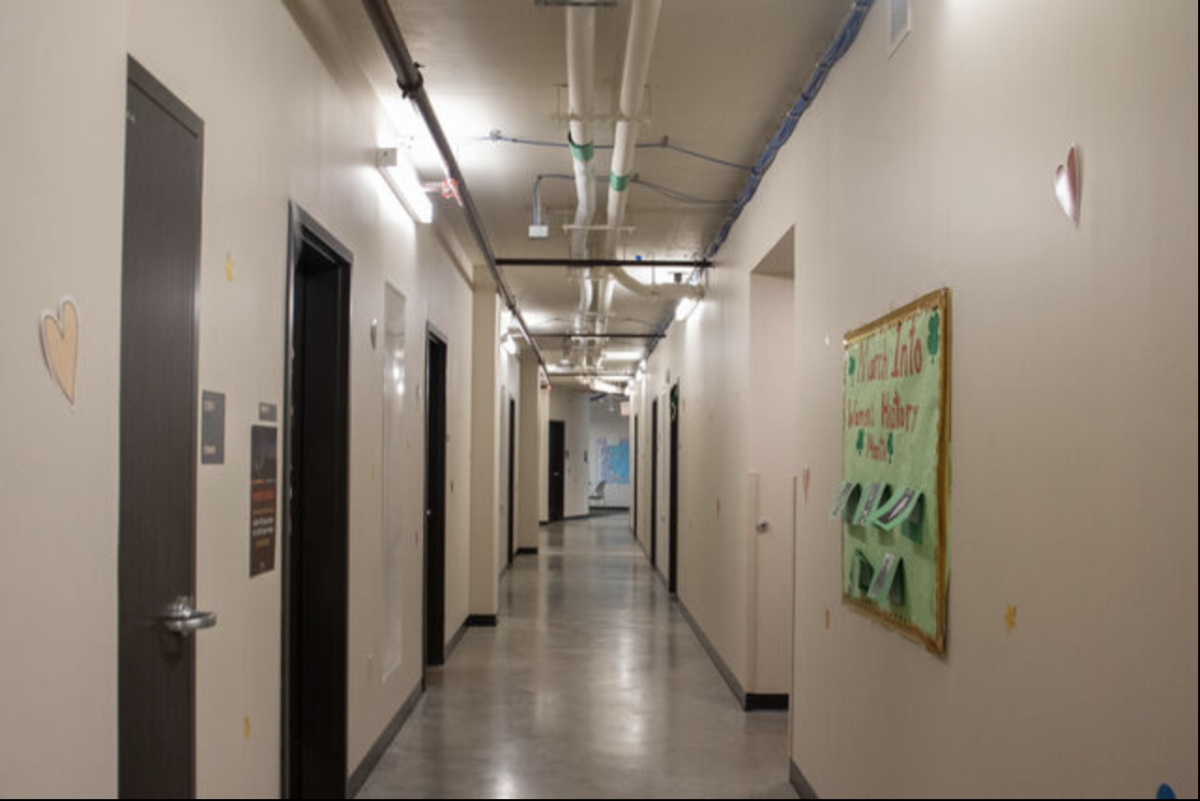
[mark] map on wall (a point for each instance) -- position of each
(615, 467)
(894, 496)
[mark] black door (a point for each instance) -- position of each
(654, 483)
(435, 501)
(558, 472)
(316, 554)
(512, 458)
(635, 476)
(164, 148)
(673, 455)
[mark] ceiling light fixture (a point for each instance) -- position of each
(623, 355)
(685, 308)
(402, 179)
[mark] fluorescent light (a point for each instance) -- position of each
(506, 320)
(402, 178)
(622, 355)
(685, 308)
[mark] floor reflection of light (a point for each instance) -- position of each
(506, 786)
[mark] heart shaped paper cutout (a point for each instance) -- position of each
(1066, 185)
(60, 345)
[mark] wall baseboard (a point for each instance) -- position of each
(360, 775)
(799, 783)
(483, 621)
(527, 552)
(734, 685)
(749, 702)
(454, 642)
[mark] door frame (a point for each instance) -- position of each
(302, 227)
(636, 468)
(512, 464)
(673, 487)
(550, 471)
(432, 335)
(654, 483)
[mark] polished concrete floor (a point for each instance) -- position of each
(592, 686)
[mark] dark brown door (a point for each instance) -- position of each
(435, 501)
(635, 469)
(164, 150)
(512, 462)
(673, 527)
(317, 549)
(654, 483)
(558, 472)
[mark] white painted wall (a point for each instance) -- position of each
(275, 129)
(571, 407)
(1074, 399)
(529, 454)
(62, 77)
(707, 355)
(510, 388)
(611, 426)
(485, 450)
(772, 475)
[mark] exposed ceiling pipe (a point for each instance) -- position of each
(659, 291)
(581, 71)
(643, 23)
(412, 85)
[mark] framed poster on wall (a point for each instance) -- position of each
(894, 499)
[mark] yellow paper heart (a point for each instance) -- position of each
(60, 345)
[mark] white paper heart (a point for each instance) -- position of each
(1066, 185)
(60, 345)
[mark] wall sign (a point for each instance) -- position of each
(212, 428)
(894, 496)
(264, 470)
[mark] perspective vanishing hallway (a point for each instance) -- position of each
(592, 685)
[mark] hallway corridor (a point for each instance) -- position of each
(592, 686)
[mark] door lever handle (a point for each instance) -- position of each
(180, 617)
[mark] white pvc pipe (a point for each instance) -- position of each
(581, 62)
(658, 291)
(639, 46)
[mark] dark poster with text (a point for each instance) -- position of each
(264, 466)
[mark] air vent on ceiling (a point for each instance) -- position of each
(899, 23)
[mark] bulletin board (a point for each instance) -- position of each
(893, 501)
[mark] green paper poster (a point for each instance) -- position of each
(895, 435)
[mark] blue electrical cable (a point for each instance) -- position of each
(841, 44)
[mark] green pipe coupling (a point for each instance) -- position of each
(581, 152)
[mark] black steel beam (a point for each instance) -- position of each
(412, 85)
(583, 264)
(550, 335)
(593, 375)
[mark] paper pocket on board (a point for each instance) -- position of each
(885, 577)
(872, 496)
(840, 504)
(902, 506)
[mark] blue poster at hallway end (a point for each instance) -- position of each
(616, 462)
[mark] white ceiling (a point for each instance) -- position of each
(723, 74)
